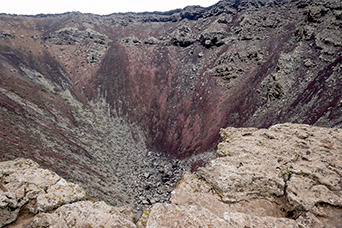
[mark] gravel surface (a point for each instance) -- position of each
(126, 171)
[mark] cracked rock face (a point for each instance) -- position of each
(23, 182)
(86, 214)
(306, 158)
(264, 175)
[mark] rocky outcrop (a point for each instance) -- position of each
(24, 184)
(85, 214)
(28, 190)
(73, 36)
(96, 42)
(289, 175)
(5, 34)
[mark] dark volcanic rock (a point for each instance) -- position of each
(110, 98)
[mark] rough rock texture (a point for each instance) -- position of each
(23, 183)
(169, 215)
(131, 101)
(262, 175)
(86, 214)
(244, 220)
(307, 159)
(57, 203)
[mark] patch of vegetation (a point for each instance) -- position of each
(285, 169)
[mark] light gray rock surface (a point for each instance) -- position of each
(171, 215)
(307, 159)
(245, 220)
(62, 192)
(23, 182)
(86, 214)
(287, 170)
(193, 190)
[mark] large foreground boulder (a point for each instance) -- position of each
(23, 183)
(86, 214)
(51, 201)
(286, 176)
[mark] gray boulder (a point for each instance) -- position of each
(24, 183)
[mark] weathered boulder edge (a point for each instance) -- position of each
(286, 176)
(48, 198)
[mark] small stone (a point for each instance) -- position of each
(308, 63)
(165, 178)
(154, 200)
(338, 14)
(175, 164)
(145, 202)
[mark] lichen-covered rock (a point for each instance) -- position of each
(170, 215)
(243, 179)
(62, 192)
(86, 214)
(245, 220)
(293, 153)
(22, 181)
(193, 190)
(246, 170)
(309, 220)
(262, 176)
(298, 163)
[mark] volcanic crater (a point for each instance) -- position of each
(123, 104)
